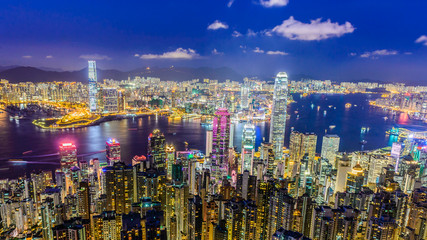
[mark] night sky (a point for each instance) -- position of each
(338, 40)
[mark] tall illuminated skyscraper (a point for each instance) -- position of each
(68, 156)
(330, 147)
(157, 149)
(93, 90)
(112, 150)
(209, 137)
(278, 114)
(244, 96)
(221, 136)
(248, 148)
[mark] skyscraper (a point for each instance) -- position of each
(221, 136)
(112, 150)
(244, 96)
(278, 114)
(110, 100)
(93, 89)
(209, 137)
(157, 149)
(248, 148)
(330, 146)
(68, 156)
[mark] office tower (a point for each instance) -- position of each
(248, 148)
(121, 101)
(84, 200)
(112, 150)
(231, 142)
(170, 160)
(278, 114)
(302, 143)
(110, 100)
(68, 156)
(93, 88)
(157, 149)
(355, 179)
(244, 95)
(119, 187)
(221, 137)
(343, 167)
(330, 146)
(209, 138)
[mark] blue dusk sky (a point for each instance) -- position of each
(338, 40)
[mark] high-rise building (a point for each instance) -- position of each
(244, 96)
(278, 114)
(170, 160)
(221, 136)
(93, 88)
(157, 149)
(209, 137)
(68, 156)
(330, 146)
(112, 150)
(248, 148)
(355, 179)
(300, 145)
(119, 188)
(84, 200)
(110, 100)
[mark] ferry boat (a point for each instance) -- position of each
(27, 152)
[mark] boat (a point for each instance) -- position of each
(27, 152)
(348, 105)
(363, 142)
(332, 126)
(385, 118)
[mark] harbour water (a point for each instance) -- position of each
(318, 113)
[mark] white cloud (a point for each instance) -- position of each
(217, 25)
(273, 3)
(95, 57)
(258, 50)
(251, 33)
(353, 54)
(230, 3)
(215, 52)
(407, 53)
(179, 53)
(27, 56)
(277, 53)
(136, 55)
(49, 56)
(378, 53)
(422, 39)
(236, 34)
(315, 30)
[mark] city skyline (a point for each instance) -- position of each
(227, 119)
(337, 43)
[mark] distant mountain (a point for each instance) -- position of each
(32, 74)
